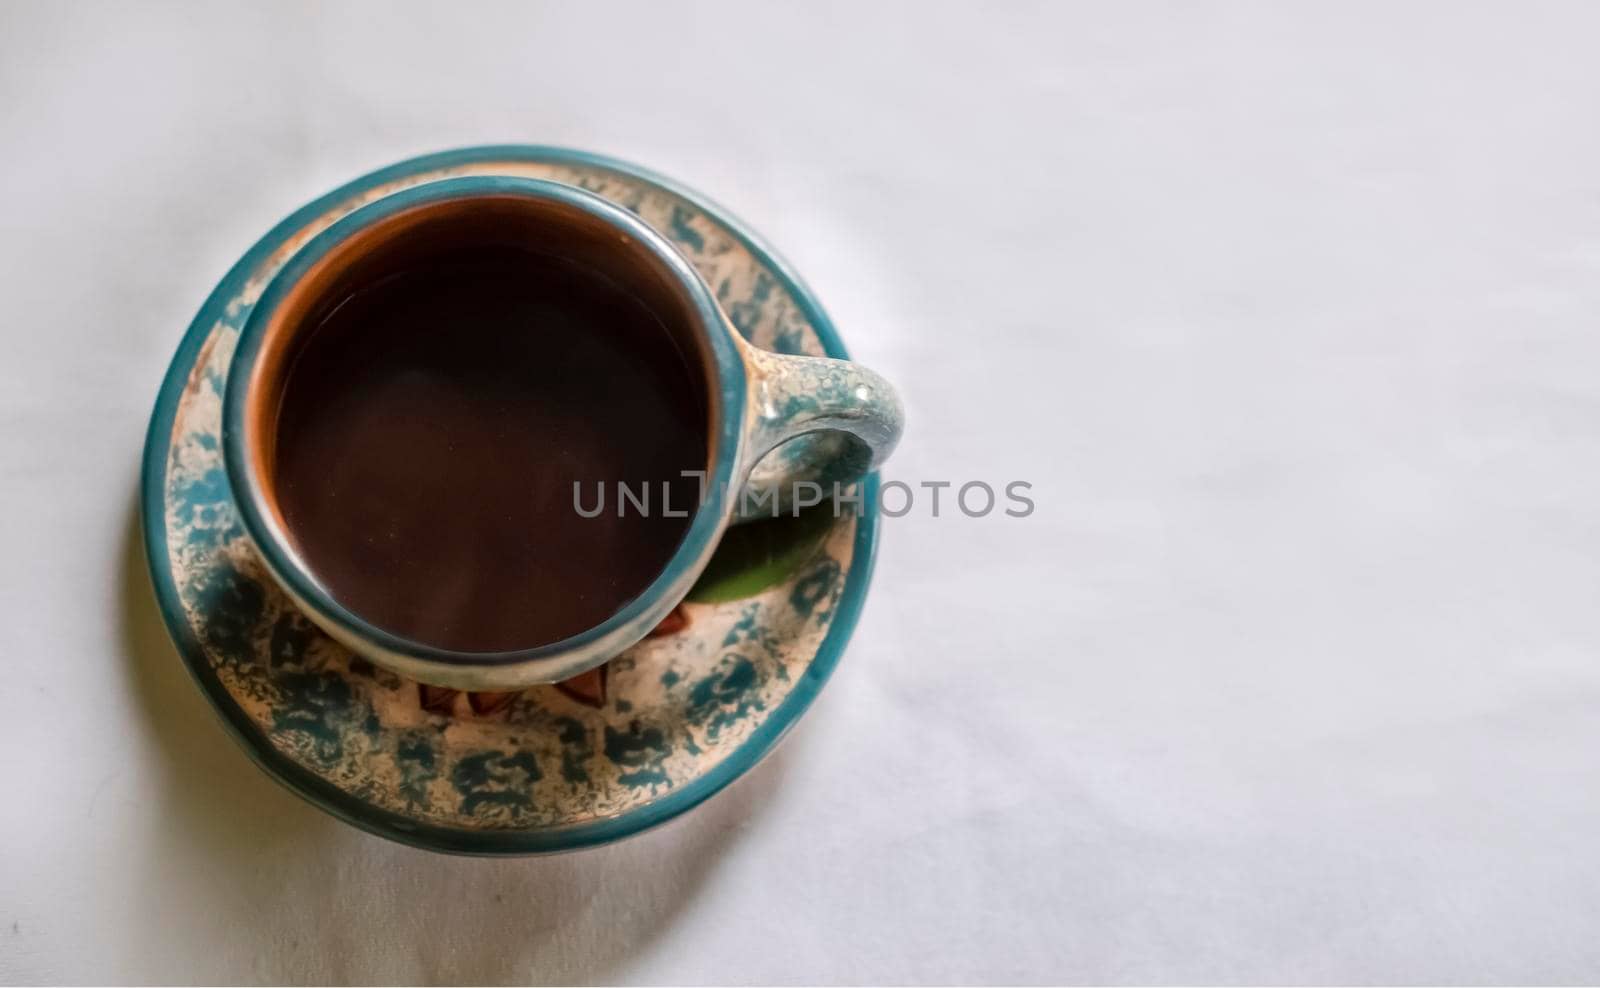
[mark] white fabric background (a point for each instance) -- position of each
(1291, 314)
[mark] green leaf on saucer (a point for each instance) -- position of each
(760, 554)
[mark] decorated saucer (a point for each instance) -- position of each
(652, 734)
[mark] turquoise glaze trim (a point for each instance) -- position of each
(391, 825)
(557, 660)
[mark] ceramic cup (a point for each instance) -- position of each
(834, 420)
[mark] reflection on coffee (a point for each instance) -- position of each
(433, 424)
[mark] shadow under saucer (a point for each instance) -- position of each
(291, 895)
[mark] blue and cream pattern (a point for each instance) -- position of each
(683, 714)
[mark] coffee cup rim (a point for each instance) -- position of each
(726, 392)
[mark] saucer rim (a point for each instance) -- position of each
(388, 823)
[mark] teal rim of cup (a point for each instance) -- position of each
(386, 823)
(274, 543)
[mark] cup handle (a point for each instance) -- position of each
(824, 422)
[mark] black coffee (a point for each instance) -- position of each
(431, 429)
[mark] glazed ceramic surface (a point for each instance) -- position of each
(673, 720)
(764, 400)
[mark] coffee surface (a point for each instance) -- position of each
(433, 425)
